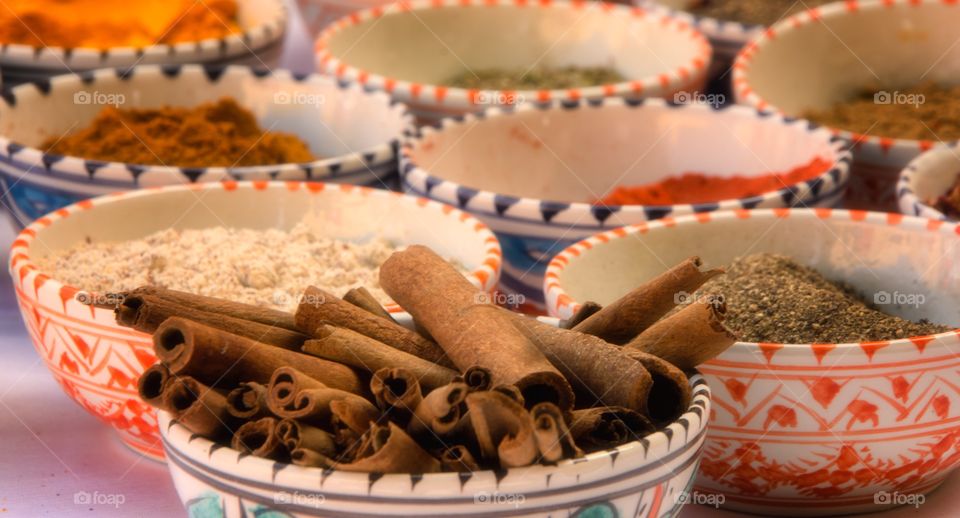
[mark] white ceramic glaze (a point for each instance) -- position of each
(810, 429)
(98, 362)
(927, 177)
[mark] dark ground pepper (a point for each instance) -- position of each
(771, 298)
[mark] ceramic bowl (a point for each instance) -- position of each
(928, 176)
(868, 42)
(410, 49)
(646, 478)
(532, 172)
(98, 363)
(318, 14)
(263, 22)
(358, 131)
(810, 429)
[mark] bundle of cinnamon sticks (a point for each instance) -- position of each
(341, 385)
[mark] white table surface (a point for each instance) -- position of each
(51, 450)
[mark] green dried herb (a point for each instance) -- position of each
(540, 78)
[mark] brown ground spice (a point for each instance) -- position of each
(771, 298)
(925, 112)
(752, 12)
(536, 79)
(220, 134)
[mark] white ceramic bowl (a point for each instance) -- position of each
(356, 131)
(531, 173)
(810, 429)
(649, 478)
(817, 58)
(410, 49)
(927, 177)
(263, 24)
(98, 362)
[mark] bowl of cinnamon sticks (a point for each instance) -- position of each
(459, 408)
(847, 336)
(256, 243)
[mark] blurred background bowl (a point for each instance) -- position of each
(98, 362)
(926, 178)
(357, 132)
(533, 173)
(809, 429)
(411, 49)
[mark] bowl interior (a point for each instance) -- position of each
(885, 47)
(432, 45)
(871, 255)
(579, 155)
(936, 173)
(331, 120)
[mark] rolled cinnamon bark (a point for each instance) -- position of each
(351, 418)
(439, 412)
(348, 347)
(586, 310)
(478, 378)
(318, 307)
(393, 451)
(269, 317)
(670, 393)
(152, 383)
(689, 337)
(396, 392)
(471, 331)
(511, 392)
(629, 316)
(248, 401)
(363, 299)
(199, 408)
(553, 438)
(601, 372)
(219, 358)
(311, 459)
(259, 438)
(295, 435)
(285, 384)
(459, 459)
(145, 313)
(503, 428)
(313, 405)
(602, 428)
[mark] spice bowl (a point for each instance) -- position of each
(916, 46)
(354, 133)
(646, 478)
(413, 50)
(927, 177)
(97, 362)
(533, 173)
(809, 429)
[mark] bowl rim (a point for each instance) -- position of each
(839, 170)
(563, 302)
(20, 265)
(380, 153)
(264, 33)
(910, 203)
(265, 469)
(745, 93)
(449, 96)
(727, 32)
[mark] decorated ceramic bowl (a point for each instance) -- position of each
(98, 363)
(263, 24)
(317, 14)
(357, 132)
(533, 173)
(810, 429)
(647, 478)
(927, 177)
(917, 46)
(411, 49)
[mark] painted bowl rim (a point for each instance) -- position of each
(727, 31)
(917, 167)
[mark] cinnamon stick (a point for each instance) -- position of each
(152, 383)
(478, 378)
(553, 437)
(311, 459)
(266, 316)
(362, 352)
(199, 408)
(363, 299)
(689, 337)
(670, 394)
(216, 357)
(396, 392)
(248, 401)
(393, 451)
(504, 430)
(629, 316)
(313, 405)
(259, 438)
(601, 428)
(439, 412)
(285, 384)
(471, 330)
(351, 418)
(295, 435)
(459, 459)
(585, 311)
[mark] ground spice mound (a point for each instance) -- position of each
(925, 112)
(220, 134)
(752, 12)
(771, 298)
(536, 79)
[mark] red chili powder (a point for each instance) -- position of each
(701, 188)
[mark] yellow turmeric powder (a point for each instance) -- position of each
(104, 24)
(220, 134)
